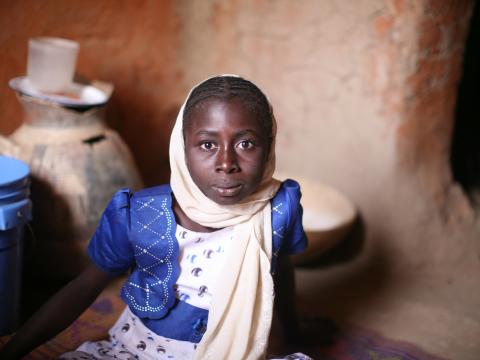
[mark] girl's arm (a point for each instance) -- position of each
(306, 331)
(285, 304)
(58, 313)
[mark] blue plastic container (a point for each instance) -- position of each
(15, 212)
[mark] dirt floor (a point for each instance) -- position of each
(433, 312)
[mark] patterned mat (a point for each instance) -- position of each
(361, 344)
(349, 344)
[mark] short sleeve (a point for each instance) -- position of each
(110, 248)
(295, 240)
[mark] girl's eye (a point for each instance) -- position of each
(246, 144)
(207, 145)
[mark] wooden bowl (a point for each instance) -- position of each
(328, 216)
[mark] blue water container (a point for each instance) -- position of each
(15, 212)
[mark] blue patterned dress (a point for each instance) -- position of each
(167, 311)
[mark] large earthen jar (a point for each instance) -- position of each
(77, 163)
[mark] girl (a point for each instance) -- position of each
(201, 250)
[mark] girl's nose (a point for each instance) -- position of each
(227, 161)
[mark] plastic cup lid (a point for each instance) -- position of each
(12, 171)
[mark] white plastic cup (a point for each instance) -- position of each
(51, 63)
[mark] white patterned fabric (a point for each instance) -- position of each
(242, 307)
(131, 340)
(201, 254)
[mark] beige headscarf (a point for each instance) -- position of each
(241, 311)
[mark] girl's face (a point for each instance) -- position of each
(226, 150)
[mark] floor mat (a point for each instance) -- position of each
(359, 344)
(349, 344)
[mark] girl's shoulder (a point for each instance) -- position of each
(288, 234)
(289, 191)
(286, 207)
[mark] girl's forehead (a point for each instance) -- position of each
(218, 111)
(213, 102)
(235, 114)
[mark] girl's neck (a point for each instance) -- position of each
(183, 220)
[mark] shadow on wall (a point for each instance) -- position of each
(465, 156)
(343, 292)
(148, 141)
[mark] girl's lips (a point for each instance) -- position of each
(228, 190)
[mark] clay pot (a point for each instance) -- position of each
(328, 216)
(77, 164)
